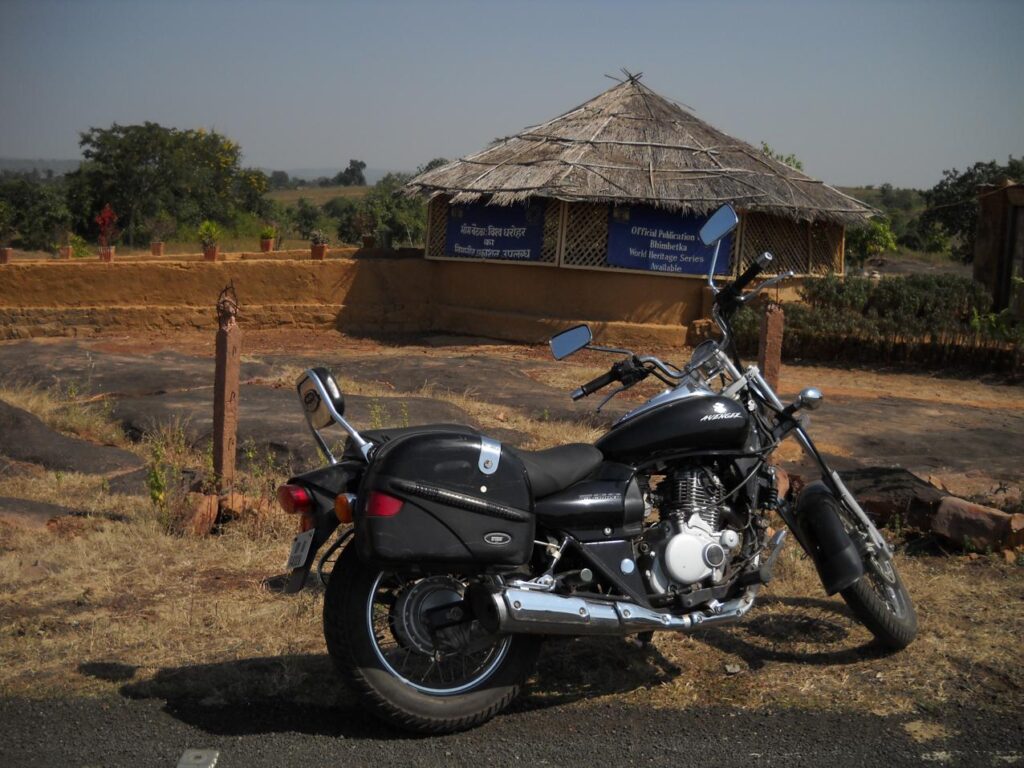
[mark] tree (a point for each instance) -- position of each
(37, 211)
(306, 217)
(791, 160)
(353, 175)
(870, 240)
(144, 169)
(953, 202)
(437, 162)
(279, 180)
(6, 223)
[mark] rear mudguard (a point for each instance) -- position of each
(325, 485)
(822, 534)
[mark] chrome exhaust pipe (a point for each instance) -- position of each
(526, 611)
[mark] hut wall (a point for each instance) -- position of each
(573, 280)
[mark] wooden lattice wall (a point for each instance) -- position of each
(576, 237)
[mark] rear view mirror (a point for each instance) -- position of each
(572, 340)
(320, 413)
(722, 222)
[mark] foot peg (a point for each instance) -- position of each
(763, 574)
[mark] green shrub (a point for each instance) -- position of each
(924, 320)
(208, 233)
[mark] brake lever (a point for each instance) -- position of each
(604, 402)
(767, 284)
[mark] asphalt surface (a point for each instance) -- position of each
(123, 732)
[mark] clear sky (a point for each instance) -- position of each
(862, 92)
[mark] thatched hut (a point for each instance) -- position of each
(622, 183)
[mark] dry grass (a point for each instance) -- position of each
(66, 410)
(315, 195)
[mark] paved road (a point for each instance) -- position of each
(121, 732)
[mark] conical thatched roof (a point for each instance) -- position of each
(630, 145)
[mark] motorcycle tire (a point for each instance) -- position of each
(879, 599)
(355, 637)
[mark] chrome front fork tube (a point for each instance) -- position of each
(763, 388)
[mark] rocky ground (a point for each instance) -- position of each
(177, 642)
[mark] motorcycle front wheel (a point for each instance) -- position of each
(878, 599)
(411, 673)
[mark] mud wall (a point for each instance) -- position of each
(364, 295)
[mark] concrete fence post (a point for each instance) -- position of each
(225, 388)
(769, 346)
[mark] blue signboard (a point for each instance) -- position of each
(508, 232)
(651, 239)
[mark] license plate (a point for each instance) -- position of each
(300, 549)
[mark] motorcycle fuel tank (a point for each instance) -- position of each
(700, 422)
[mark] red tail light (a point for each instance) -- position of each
(295, 500)
(382, 505)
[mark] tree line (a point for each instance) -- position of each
(161, 183)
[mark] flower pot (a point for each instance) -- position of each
(66, 252)
(210, 252)
(318, 251)
(266, 244)
(369, 241)
(5, 255)
(106, 253)
(156, 248)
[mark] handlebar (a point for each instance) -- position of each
(628, 371)
(592, 386)
(732, 296)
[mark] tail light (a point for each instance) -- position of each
(382, 505)
(296, 500)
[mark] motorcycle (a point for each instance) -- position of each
(457, 554)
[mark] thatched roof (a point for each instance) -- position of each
(630, 145)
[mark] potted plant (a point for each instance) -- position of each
(318, 244)
(267, 236)
(160, 228)
(209, 234)
(106, 220)
(6, 232)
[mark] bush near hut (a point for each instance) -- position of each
(934, 321)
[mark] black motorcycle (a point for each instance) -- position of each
(465, 552)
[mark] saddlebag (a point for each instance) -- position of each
(445, 497)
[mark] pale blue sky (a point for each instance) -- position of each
(863, 92)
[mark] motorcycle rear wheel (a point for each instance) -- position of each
(374, 631)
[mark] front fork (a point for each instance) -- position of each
(828, 475)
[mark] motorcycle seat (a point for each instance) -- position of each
(555, 469)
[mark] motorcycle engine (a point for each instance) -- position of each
(688, 546)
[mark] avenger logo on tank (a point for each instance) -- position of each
(497, 538)
(721, 411)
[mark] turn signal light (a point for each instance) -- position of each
(343, 508)
(382, 505)
(295, 500)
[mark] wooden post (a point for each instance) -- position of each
(225, 388)
(769, 346)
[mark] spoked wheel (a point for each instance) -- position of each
(413, 649)
(878, 599)
(881, 602)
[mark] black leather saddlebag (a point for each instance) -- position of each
(445, 497)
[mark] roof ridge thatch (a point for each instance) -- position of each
(630, 145)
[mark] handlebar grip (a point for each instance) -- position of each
(592, 386)
(752, 271)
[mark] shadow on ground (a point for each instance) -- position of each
(304, 694)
